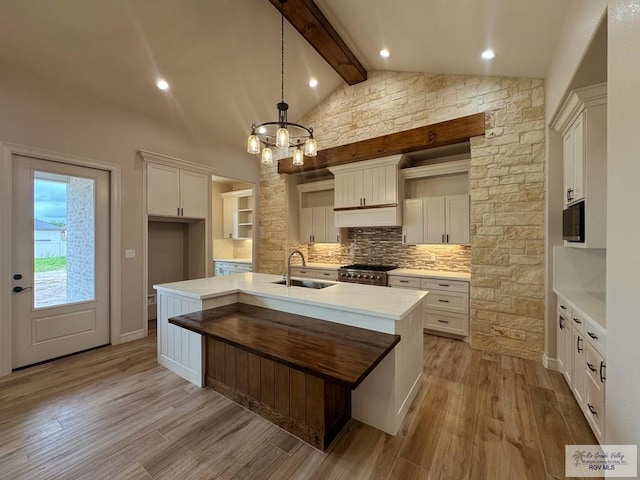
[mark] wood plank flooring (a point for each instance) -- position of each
(113, 413)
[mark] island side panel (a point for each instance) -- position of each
(180, 350)
(383, 399)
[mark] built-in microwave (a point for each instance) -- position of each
(573, 223)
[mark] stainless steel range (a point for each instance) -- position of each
(366, 274)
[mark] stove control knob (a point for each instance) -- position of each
(359, 276)
(366, 277)
(349, 275)
(343, 274)
(378, 277)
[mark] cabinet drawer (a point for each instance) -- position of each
(450, 302)
(405, 282)
(595, 367)
(564, 307)
(595, 335)
(303, 272)
(594, 409)
(577, 321)
(444, 285)
(457, 324)
(327, 274)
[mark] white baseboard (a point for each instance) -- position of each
(131, 336)
(550, 363)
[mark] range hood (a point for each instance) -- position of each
(368, 193)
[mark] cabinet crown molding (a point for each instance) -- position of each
(576, 102)
(174, 162)
(245, 192)
(377, 162)
(445, 168)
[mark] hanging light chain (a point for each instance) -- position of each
(282, 50)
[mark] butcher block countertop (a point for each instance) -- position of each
(335, 352)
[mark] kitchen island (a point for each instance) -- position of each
(381, 400)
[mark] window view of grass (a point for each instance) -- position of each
(49, 263)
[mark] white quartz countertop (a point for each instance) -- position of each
(389, 303)
(410, 272)
(590, 304)
(233, 260)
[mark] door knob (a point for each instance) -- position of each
(19, 289)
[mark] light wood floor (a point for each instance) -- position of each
(114, 413)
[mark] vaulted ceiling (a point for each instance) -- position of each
(222, 58)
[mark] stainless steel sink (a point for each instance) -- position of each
(306, 283)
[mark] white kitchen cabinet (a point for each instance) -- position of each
(581, 358)
(315, 272)
(316, 225)
(222, 267)
(573, 161)
(175, 192)
(582, 122)
(436, 220)
(366, 186)
(316, 216)
(445, 308)
(237, 214)
(368, 193)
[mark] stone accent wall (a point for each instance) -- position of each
(506, 187)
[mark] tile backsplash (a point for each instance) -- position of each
(383, 245)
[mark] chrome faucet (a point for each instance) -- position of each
(288, 276)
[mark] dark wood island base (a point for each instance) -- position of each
(295, 371)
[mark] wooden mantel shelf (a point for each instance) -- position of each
(421, 138)
(297, 372)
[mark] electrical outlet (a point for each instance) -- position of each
(129, 254)
(151, 299)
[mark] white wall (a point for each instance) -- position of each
(623, 225)
(579, 28)
(41, 114)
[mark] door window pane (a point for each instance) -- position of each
(64, 239)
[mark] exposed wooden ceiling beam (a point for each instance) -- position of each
(421, 138)
(307, 18)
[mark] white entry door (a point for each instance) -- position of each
(60, 259)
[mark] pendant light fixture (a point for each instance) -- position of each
(282, 134)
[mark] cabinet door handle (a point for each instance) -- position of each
(561, 322)
(592, 410)
(602, 367)
(178, 212)
(443, 321)
(562, 307)
(578, 344)
(576, 320)
(591, 367)
(569, 194)
(595, 337)
(443, 301)
(443, 284)
(447, 238)
(443, 238)
(230, 235)
(403, 281)
(337, 238)
(404, 239)
(364, 202)
(182, 211)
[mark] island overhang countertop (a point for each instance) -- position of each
(383, 302)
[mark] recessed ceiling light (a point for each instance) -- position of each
(384, 53)
(488, 54)
(162, 84)
(313, 83)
